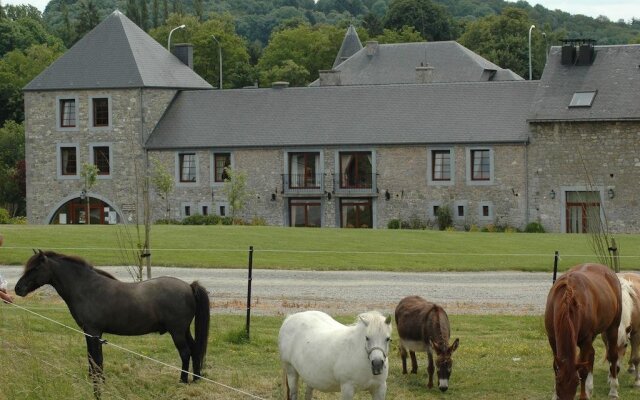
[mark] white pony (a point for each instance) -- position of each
(332, 357)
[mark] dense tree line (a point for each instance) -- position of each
(262, 41)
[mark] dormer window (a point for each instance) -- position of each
(582, 99)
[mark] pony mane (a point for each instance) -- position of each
(628, 296)
(34, 261)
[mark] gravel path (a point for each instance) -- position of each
(279, 292)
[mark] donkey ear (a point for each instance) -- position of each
(455, 344)
(34, 251)
(388, 320)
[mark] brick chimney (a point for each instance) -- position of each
(424, 74)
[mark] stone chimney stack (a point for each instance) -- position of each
(424, 74)
(329, 77)
(372, 47)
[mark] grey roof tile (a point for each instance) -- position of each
(396, 63)
(484, 112)
(117, 54)
(350, 45)
(614, 74)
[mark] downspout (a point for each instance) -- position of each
(526, 182)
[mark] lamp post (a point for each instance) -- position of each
(170, 33)
(530, 29)
(220, 60)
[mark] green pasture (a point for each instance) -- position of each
(500, 357)
(308, 248)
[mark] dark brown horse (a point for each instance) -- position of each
(584, 302)
(100, 303)
(424, 326)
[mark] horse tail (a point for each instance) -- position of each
(201, 322)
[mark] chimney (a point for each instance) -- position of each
(329, 77)
(424, 74)
(184, 52)
(372, 47)
(279, 85)
(580, 52)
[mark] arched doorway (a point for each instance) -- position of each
(84, 211)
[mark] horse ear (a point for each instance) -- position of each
(388, 320)
(455, 344)
(363, 319)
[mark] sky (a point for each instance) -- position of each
(613, 9)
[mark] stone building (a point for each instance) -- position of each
(390, 132)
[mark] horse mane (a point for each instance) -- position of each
(564, 325)
(34, 260)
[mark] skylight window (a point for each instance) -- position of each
(582, 99)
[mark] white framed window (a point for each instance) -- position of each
(100, 112)
(100, 155)
(485, 211)
(67, 162)
(219, 161)
(186, 168)
(441, 166)
(480, 166)
(67, 113)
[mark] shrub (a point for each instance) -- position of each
(212, 219)
(167, 222)
(444, 217)
(258, 221)
(195, 219)
(417, 223)
(474, 228)
(451, 229)
(393, 224)
(534, 227)
(490, 228)
(19, 220)
(226, 220)
(5, 218)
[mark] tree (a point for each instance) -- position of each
(503, 39)
(432, 20)
(235, 58)
(155, 14)
(12, 177)
(143, 15)
(406, 35)
(3, 15)
(198, 9)
(235, 189)
(304, 47)
(17, 68)
(20, 30)
(163, 183)
(87, 19)
(288, 71)
(373, 24)
(89, 174)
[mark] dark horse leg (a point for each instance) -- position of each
(430, 369)
(414, 362)
(94, 351)
(403, 356)
(585, 369)
(182, 344)
(196, 357)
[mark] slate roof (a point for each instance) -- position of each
(396, 63)
(117, 54)
(484, 112)
(614, 74)
(350, 45)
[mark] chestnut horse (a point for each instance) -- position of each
(584, 302)
(424, 326)
(633, 327)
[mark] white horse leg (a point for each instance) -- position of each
(613, 388)
(380, 392)
(292, 382)
(348, 391)
(589, 385)
(308, 393)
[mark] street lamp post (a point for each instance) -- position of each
(170, 33)
(220, 60)
(530, 29)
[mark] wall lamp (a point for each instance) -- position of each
(387, 195)
(552, 194)
(611, 193)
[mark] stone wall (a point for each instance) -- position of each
(594, 156)
(401, 170)
(132, 111)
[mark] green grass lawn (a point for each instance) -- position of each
(500, 357)
(307, 248)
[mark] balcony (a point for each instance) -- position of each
(303, 183)
(355, 184)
